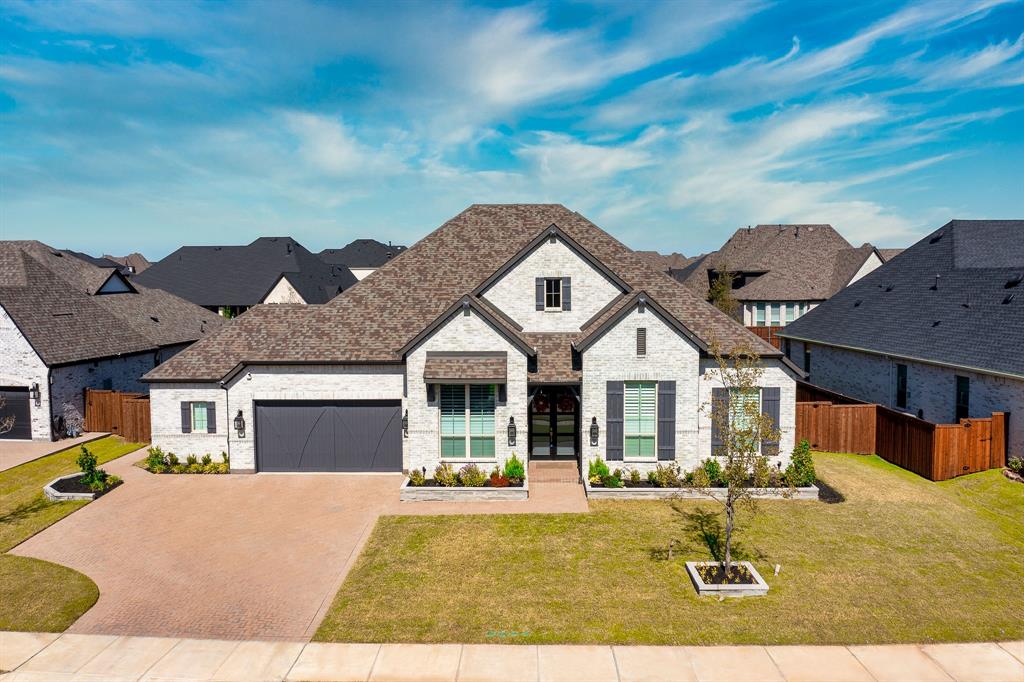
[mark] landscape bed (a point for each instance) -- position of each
(430, 491)
(646, 491)
(862, 572)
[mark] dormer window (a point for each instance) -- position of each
(552, 294)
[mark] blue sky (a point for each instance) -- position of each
(144, 126)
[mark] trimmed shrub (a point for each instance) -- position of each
(634, 476)
(665, 476)
(471, 476)
(1016, 465)
(207, 460)
(800, 472)
(445, 475)
(597, 471)
(515, 472)
(713, 471)
(416, 477)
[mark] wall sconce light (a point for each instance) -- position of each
(240, 424)
(405, 424)
(35, 395)
(595, 431)
(511, 431)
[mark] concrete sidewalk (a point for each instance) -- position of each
(15, 452)
(54, 658)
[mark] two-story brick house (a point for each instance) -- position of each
(519, 329)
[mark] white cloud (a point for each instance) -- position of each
(561, 157)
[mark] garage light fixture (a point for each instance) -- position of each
(595, 431)
(34, 394)
(511, 431)
(240, 424)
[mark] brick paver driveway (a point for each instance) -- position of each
(239, 556)
(230, 557)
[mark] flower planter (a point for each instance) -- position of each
(602, 493)
(413, 493)
(757, 588)
(55, 495)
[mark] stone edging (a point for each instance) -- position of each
(808, 493)
(410, 493)
(757, 590)
(57, 496)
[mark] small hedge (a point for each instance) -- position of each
(158, 462)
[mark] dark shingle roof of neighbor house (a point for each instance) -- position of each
(98, 261)
(666, 262)
(136, 261)
(362, 253)
(371, 322)
(52, 297)
(244, 275)
(956, 297)
(799, 262)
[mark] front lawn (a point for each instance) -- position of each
(36, 595)
(901, 560)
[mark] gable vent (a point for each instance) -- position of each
(641, 340)
(1011, 283)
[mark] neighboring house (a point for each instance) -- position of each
(134, 262)
(938, 332)
(666, 263)
(98, 261)
(362, 256)
(67, 325)
(519, 329)
(782, 271)
(231, 279)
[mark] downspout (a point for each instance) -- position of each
(227, 416)
(49, 402)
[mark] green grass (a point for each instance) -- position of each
(36, 595)
(901, 560)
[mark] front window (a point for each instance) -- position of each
(790, 312)
(744, 407)
(467, 420)
(640, 419)
(552, 294)
(199, 417)
(760, 314)
(775, 314)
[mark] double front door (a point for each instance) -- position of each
(554, 415)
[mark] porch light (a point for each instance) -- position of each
(34, 394)
(240, 424)
(405, 424)
(595, 431)
(511, 431)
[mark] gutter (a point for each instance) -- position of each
(937, 363)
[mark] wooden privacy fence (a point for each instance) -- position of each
(935, 451)
(769, 334)
(126, 414)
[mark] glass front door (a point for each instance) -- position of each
(553, 422)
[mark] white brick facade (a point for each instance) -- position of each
(930, 388)
(21, 366)
(464, 333)
(165, 420)
(283, 292)
(513, 294)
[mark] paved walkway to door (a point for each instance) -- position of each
(97, 657)
(238, 556)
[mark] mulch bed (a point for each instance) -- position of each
(431, 483)
(75, 485)
(715, 575)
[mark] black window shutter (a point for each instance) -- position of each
(211, 417)
(540, 293)
(666, 420)
(186, 417)
(431, 393)
(719, 411)
(566, 293)
(502, 393)
(613, 421)
(770, 399)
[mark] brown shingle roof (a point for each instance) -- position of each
(555, 362)
(372, 320)
(466, 367)
(799, 262)
(52, 299)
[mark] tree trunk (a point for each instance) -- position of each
(728, 530)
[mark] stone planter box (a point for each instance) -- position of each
(759, 589)
(410, 493)
(600, 493)
(56, 496)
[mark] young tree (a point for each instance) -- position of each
(740, 427)
(720, 293)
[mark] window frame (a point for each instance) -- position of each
(733, 403)
(760, 317)
(206, 416)
(549, 293)
(467, 437)
(776, 314)
(965, 383)
(627, 434)
(902, 385)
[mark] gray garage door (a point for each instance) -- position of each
(14, 403)
(329, 436)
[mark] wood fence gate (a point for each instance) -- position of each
(124, 414)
